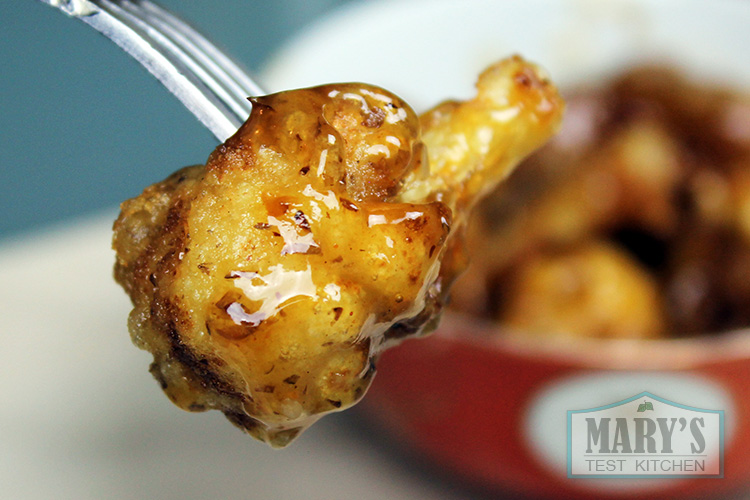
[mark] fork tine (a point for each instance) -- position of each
(183, 51)
(208, 83)
(219, 71)
(216, 56)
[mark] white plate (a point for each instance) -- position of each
(429, 50)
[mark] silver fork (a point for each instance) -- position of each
(212, 86)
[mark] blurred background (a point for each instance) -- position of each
(85, 127)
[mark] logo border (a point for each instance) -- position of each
(641, 476)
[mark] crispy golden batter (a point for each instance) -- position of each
(266, 282)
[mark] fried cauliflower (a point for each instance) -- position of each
(266, 282)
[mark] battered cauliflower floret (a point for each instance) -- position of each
(266, 282)
(590, 290)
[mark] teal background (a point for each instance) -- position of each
(84, 126)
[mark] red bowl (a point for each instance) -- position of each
(491, 408)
